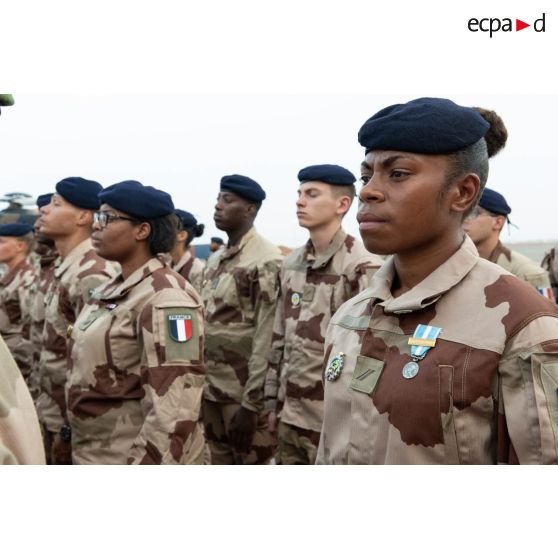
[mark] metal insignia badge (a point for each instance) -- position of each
(410, 370)
(180, 327)
(295, 299)
(335, 367)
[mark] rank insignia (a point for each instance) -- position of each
(333, 371)
(295, 299)
(180, 327)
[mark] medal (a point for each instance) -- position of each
(423, 339)
(335, 367)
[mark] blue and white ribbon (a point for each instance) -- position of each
(423, 340)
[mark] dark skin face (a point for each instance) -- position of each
(407, 209)
(122, 241)
(234, 215)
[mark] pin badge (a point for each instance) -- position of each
(423, 339)
(295, 299)
(335, 367)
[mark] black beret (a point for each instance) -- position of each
(186, 218)
(80, 192)
(494, 202)
(137, 200)
(44, 199)
(426, 125)
(243, 186)
(330, 174)
(15, 229)
(217, 240)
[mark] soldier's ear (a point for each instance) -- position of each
(464, 193)
(143, 230)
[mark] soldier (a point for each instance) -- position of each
(67, 219)
(240, 292)
(45, 257)
(484, 225)
(15, 285)
(20, 435)
(184, 262)
(315, 280)
(136, 351)
(215, 244)
(446, 357)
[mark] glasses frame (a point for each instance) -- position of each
(104, 219)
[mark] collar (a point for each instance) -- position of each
(186, 257)
(74, 256)
(229, 253)
(119, 287)
(430, 289)
(10, 275)
(317, 262)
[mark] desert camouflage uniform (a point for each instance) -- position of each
(191, 269)
(75, 278)
(312, 289)
(520, 266)
(44, 274)
(134, 392)
(20, 435)
(15, 296)
(240, 290)
(486, 393)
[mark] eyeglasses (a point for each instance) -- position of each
(102, 218)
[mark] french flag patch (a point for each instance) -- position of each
(546, 292)
(180, 327)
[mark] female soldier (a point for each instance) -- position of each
(183, 261)
(446, 357)
(136, 350)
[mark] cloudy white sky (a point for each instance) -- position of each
(184, 144)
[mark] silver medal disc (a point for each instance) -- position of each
(410, 370)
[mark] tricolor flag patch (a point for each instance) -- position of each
(180, 327)
(546, 292)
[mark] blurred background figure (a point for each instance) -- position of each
(183, 258)
(484, 225)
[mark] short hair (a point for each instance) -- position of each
(162, 237)
(349, 190)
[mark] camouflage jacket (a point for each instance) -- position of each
(44, 274)
(137, 372)
(240, 290)
(312, 289)
(485, 393)
(521, 266)
(15, 291)
(20, 435)
(75, 278)
(191, 269)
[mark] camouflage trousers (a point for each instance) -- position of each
(296, 446)
(217, 418)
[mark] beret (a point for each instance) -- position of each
(494, 202)
(217, 240)
(186, 218)
(15, 229)
(137, 200)
(44, 199)
(330, 174)
(80, 192)
(426, 125)
(243, 186)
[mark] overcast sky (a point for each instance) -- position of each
(184, 144)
